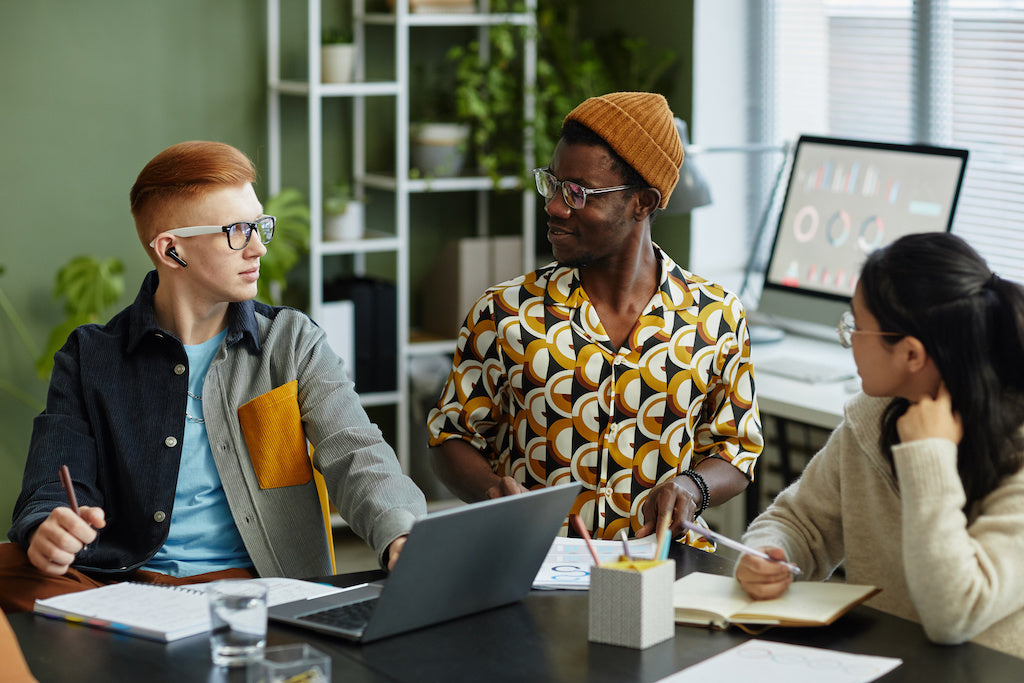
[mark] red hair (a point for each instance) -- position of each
(183, 171)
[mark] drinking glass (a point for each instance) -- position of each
(238, 621)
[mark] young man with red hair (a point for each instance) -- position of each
(184, 420)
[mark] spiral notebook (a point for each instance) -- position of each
(159, 612)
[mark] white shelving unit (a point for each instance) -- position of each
(395, 239)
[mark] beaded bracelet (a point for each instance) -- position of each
(705, 494)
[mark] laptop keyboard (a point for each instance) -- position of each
(351, 617)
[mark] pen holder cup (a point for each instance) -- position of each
(631, 603)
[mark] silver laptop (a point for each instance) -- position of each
(456, 562)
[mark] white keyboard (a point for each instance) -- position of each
(812, 372)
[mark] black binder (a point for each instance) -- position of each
(376, 332)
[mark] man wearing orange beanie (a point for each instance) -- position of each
(611, 366)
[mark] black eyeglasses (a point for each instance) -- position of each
(574, 194)
(238, 234)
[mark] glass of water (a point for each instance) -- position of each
(238, 621)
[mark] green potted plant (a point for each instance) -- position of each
(337, 56)
(290, 244)
(438, 140)
(343, 213)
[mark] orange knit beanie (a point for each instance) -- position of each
(641, 129)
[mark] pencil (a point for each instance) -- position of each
(65, 480)
(585, 535)
(625, 546)
(663, 536)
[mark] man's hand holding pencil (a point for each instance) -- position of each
(64, 533)
(670, 503)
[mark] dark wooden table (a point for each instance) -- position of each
(543, 638)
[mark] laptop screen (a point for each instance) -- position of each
(844, 199)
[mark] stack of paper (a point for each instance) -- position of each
(568, 563)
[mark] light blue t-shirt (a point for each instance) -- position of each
(203, 536)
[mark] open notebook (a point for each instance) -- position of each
(159, 612)
(717, 601)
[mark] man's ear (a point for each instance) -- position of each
(161, 246)
(648, 200)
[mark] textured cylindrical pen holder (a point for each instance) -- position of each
(631, 603)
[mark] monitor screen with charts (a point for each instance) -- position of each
(844, 199)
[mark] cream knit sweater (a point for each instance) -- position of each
(961, 578)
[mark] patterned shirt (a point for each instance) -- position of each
(538, 387)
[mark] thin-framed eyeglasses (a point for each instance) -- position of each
(574, 194)
(238, 234)
(847, 327)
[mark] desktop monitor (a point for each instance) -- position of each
(844, 199)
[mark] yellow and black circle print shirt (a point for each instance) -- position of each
(537, 386)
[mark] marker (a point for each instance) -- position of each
(65, 480)
(585, 535)
(736, 545)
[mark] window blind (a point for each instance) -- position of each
(869, 49)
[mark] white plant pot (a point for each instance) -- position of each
(340, 227)
(337, 62)
(439, 149)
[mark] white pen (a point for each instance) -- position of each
(736, 545)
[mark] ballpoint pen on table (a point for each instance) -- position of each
(736, 545)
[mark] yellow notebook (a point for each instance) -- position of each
(711, 600)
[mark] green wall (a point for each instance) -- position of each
(92, 90)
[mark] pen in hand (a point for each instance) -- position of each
(65, 480)
(736, 545)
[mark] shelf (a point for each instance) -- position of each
(379, 398)
(367, 89)
(392, 214)
(450, 19)
(454, 184)
(432, 347)
(372, 242)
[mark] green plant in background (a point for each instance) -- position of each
(30, 346)
(290, 244)
(570, 69)
(489, 97)
(89, 287)
(337, 197)
(336, 35)
(432, 99)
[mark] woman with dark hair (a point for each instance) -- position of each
(920, 491)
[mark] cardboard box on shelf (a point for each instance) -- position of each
(465, 268)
